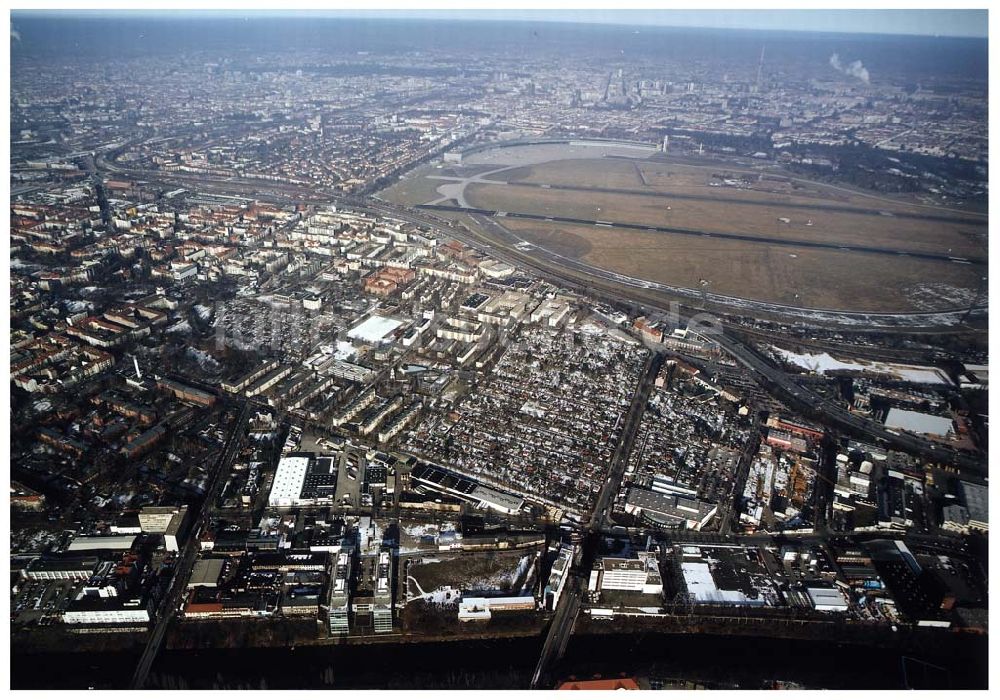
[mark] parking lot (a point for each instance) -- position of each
(43, 601)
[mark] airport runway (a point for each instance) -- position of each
(287, 194)
(839, 208)
(766, 240)
(502, 244)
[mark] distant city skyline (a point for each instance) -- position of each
(953, 23)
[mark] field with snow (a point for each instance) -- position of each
(486, 573)
(427, 537)
(824, 362)
(204, 359)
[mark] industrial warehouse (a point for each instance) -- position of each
(465, 488)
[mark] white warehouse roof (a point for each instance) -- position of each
(917, 422)
(116, 543)
(827, 599)
(374, 329)
(701, 586)
(288, 481)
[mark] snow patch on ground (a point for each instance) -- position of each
(204, 313)
(501, 581)
(442, 596)
(345, 350)
(522, 567)
(824, 362)
(203, 358)
(818, 364)
(421, 530)
(75, 307)
(182, 327)
(439, 596)
(930, 296)
(591, 328)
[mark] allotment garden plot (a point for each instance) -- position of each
(548, 419)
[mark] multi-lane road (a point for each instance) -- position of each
(728, 512)
(185, 561)
(599, 519)
(570, 602)
(560, 628)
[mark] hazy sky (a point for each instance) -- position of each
(926, 22)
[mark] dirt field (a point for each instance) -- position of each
(827, 226)
(606, 172)
(800, 277)
(480, 571)
(662, 176)
(788, 274)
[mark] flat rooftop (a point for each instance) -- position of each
(374, 329)
(303, 476)
(288, 479)
(916, 422)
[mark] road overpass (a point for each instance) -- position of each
(571, 600)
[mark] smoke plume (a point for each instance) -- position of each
(14, 34)
(854, 68)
